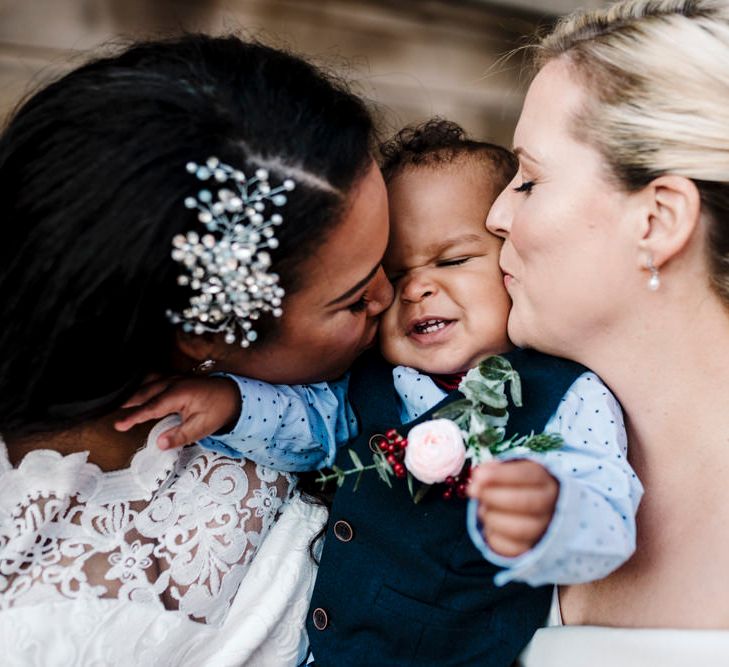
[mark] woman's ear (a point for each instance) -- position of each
(197, 348)
(672, 214)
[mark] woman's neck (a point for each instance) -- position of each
(669, 372)
(108, 448)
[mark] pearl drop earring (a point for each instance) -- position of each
(654, 282)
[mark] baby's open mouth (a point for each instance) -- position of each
(429, 326)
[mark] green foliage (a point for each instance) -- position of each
(483, 414)
(379, 464)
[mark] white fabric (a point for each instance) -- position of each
(588, 646)
(560, 645)
(185, 557)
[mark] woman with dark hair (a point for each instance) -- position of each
(198, 203)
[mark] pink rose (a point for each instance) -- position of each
(435, 451)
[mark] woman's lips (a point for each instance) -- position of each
(507, 276)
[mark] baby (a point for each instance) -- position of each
(563, 516)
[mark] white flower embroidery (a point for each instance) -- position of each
(130, 561)
(264, 501)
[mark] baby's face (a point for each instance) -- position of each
(451, 307)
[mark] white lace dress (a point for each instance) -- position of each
(186, 557)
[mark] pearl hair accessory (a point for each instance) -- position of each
(228, 268)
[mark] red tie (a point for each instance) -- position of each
(448, 382)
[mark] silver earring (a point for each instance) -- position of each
(654, 282)
(204, 366)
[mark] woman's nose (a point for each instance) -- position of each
(498, 221)
(416, 287)
(382, 294)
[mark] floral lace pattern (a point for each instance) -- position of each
(177, 530)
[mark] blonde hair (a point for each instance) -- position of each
(659, 104)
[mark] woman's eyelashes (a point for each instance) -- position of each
(360, 305)
(526, 187)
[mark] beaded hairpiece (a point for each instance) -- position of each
(228, 268)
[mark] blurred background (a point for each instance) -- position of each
(412, 58)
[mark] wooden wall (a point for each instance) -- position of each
(412, 58)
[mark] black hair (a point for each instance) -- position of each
(92, 185)
(441, 142)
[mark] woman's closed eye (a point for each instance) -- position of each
(526, 187)
(360, 305)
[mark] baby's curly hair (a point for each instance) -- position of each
(441, 142)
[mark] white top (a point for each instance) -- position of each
(559, 645)
(184, 557)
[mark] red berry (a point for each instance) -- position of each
(447, 494)
(404, 443)
(390, 435)
(399, 469)
(391, 459)
(382, 445)
(450, 481)
(391, 448)
(461, 490)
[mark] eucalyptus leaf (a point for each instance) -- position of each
(480, 393)
(420, 493)
(357, 481)
(544, 442)
(515, 389)
(383, 469)
(453, 410)
(355, 459)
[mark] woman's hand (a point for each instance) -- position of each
(206, 405)
(516, 501)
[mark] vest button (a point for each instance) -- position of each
(343, 531)
(320, 618)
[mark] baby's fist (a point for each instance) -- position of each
(516, 501)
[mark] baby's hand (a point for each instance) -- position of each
(206, 405)
(516, 501)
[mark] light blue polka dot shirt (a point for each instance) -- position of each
(298, 427)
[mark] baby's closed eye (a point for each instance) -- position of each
(456, 261)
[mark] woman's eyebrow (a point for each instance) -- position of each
(522, 152)
(353, 290)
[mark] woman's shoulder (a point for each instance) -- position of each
(46, 472)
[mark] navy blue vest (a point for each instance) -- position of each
(401, 584)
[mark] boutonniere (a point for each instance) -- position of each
(461, 435)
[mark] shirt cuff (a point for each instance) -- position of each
(256, 418)
(519, 568)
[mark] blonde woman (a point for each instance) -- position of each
(616, 255)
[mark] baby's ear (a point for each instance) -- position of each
(672, 215)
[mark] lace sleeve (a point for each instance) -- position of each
(75, 532)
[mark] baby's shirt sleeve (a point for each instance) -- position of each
(593, 528)
(292, 428)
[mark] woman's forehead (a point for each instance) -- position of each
(353, 250)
